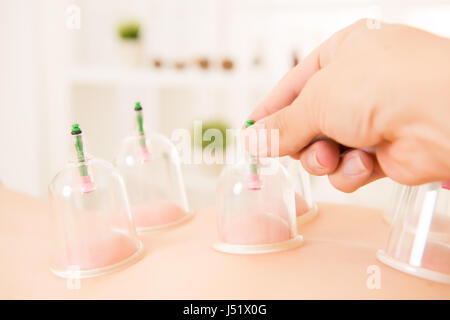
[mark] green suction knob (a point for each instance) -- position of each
(139, 118)
(75, 129)
(140, 123)
(249, 123)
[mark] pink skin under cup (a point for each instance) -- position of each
(301, 206)
(94, 251)
(156, 213)
(446, 184)
(153, 214)
(256, 229)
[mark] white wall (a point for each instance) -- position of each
(19, 163)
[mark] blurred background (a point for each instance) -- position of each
(86, 61)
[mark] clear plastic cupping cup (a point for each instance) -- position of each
(305, 209)
(94, 233)
(395, 199)
(150, 166)
(256, 208)
(419, 240)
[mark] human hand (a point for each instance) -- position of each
(382, 93)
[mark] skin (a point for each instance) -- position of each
(382, 93)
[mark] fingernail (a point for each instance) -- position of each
(354, 166)
(255, 138)
(313, 162)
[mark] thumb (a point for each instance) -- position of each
(292, 128)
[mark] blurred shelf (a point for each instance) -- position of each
(170, 78)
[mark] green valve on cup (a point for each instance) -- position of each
(249, 123)
(86, 182)
(145, 153)
(253, 180)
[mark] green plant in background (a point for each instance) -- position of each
(129, 30)
(220, 125)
